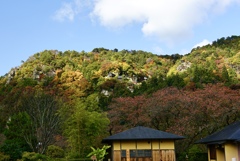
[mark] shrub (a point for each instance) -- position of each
(14, 148)
(32, 156)
(4, 157)
(55, 151)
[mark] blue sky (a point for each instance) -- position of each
(157, 26)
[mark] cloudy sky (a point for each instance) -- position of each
(157, 26)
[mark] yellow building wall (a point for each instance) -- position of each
(167, 144)
(128, 145)
(116, 146)
(154, 145)
(220, 154)
(231, 151)
(143, 145)
(146, 144)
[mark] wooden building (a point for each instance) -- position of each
(142, 144)
(224, 145)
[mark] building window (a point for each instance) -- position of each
(212, 149)
(133, 153)
(140, 153)
(123, 153)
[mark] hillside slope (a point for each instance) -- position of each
(109, 90)
(223, 54)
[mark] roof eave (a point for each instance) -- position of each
(134, 139)
(217, 141)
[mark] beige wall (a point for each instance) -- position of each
(146, 144)
(220, 154)
(231, 151)
(116, 145)
(167, 144)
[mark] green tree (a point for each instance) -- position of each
(175, 80)
(13, 148)
(15, 145)
(225, 76)
(46, 57)
(203, 75)
(27, 82)
(151, 85)
(83, 128)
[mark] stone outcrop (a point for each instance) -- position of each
(11, 74)
(184, 66)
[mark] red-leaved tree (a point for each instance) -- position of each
(193, 114)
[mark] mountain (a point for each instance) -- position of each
(158, 90)
(81, 73)
(71, 69)
(223, 52)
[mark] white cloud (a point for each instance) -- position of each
(65, 12)
(222, 4)
(203, 43)
(69, 10)
(167, 20)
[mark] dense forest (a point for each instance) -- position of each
(59, 104)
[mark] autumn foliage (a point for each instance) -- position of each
(193, 114)
(192, 95)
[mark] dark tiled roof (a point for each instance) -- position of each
(142, 133)
(229, 133)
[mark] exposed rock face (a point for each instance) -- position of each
(236, 67)
(36, 74)
(11, 75)
(111, 75)
(184, 66)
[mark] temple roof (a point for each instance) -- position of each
(229, 133)
(142, 133)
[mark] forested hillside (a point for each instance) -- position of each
(71, 100)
